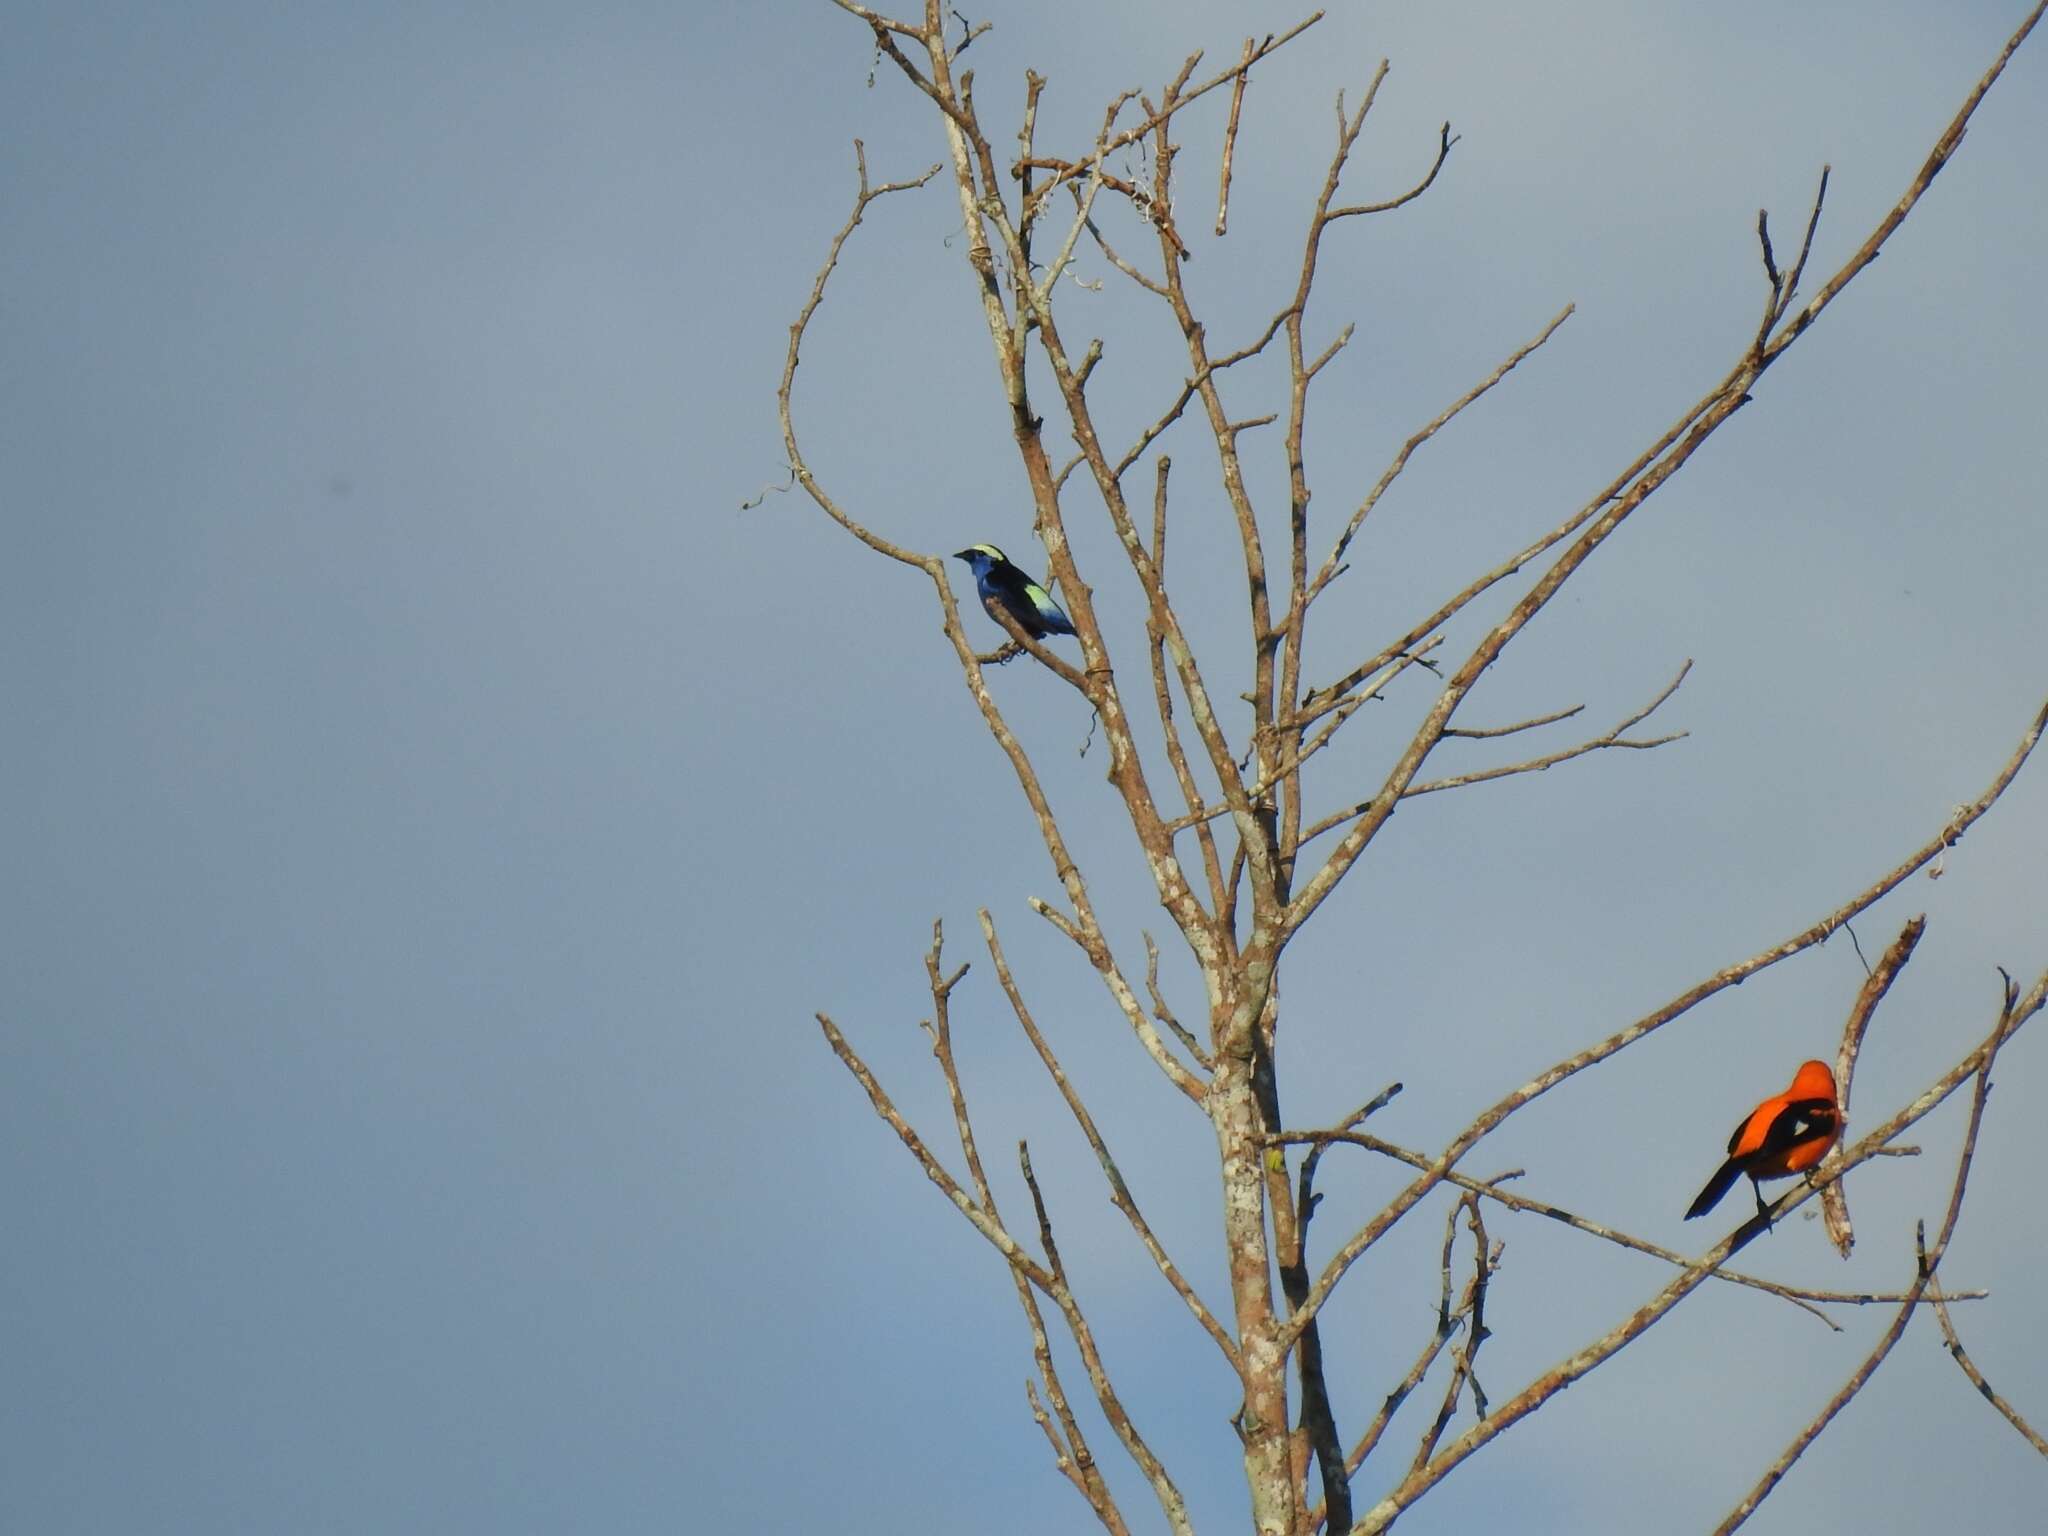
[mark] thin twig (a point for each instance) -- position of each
(1318, 1415)
(1969, 1367)
(1170, 729)
(1937, 159)
(1129, 270)
(1448, 1322)
(1959, 821)
(1928, 1261)
(1070, 1466)
(1087, 1479)
(1443, 418)
(1165, 1014)
(1834, 1202)
(1445, 140)
(1568, 1371)
(1084, 930)
(1067, 171)
(1169, 1496)
(1613, 738)
(1487, 733)
(1119, 1192)
(1529, 1204)
(934, 1170)
(1244, 75)
(1715, 409)
(799, 470)
(1473, 1309)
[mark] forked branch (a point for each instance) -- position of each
(1119, 1192)
(1800, 1296)
(1617, 737)
(1951, 833)
(1570, 1370)
(1928, 1260)
(2011, 1414)
(1834, 1199)
(1595, 523)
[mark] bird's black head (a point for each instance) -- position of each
(982, 555)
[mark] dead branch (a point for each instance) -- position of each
(1445, 139)
(1927, 1262)
(1799, 1295)
(1834, 1202)
(1077, 1460)
(1473, 1309)
(1937, 159)
(1568, 1371)
(979, 1219)
(876, 19)
(1069, 1464)
(1253, 835)
(1171, 1503)
(1169, 725)
(973, 159)
(1318, 1414)
(1090, 942)
(1941, 1300)
(1067, 171)
(1448, 1323)
(1119, 1192)
(1614, 738)
(797, 467)
(1085, 929)
(1450, 413)
(1784, 286)
(1236, 1082)
(1230, 137)
(1488, 733)
(1644, 476)
(1165, 1015)
(1267, 708)
(1959, 822)
(1130, 270)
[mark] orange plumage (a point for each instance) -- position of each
(1786, 1134)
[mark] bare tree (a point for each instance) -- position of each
(1224, 814)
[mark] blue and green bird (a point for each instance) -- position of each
(1006, 589)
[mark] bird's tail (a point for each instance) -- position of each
(1723, 1180)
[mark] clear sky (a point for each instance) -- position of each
(436, 809)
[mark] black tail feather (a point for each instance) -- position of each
(1723, 1180)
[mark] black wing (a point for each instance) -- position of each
(1800, 1121)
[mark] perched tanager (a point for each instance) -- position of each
(1786, 1134)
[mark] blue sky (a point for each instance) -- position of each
(438, 809)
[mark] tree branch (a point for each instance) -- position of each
(1566, 1372)
(1529, 1204)
(1835, 1199)
(1078, 1461)
(1969, 1369)
(1119, 1192)
(1613, 738)
(1473, 1308)
(1960, 820)
(1171, 1503)
(1272, 44)
(1928, 1262)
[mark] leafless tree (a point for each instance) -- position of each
(1223, 810)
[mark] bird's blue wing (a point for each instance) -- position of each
(1050, 614)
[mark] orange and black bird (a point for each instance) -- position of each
(1786, 1134)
